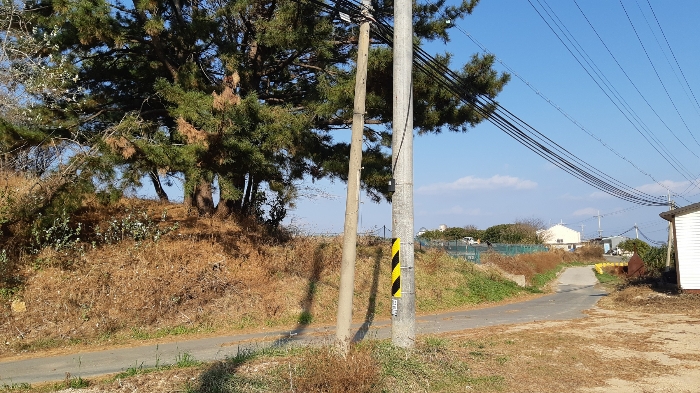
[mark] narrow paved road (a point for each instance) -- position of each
(576, 293)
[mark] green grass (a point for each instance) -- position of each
(607, 278)
(540, 280)
(486, 289)
(73, 383)
(14, 387)
(143, 334)
(182, 360)
(305, 318)
(186, 360)
(432, 365)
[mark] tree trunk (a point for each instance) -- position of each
(155, 179)
(245, 201)
(228, 204)
(203, 199)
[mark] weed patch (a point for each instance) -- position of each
(14, 387)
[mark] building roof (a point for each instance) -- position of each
(670, 214)
(614, 237)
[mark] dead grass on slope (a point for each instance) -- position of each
(202, 276)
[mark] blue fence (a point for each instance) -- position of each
(472, 252)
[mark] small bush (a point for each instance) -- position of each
(136, 225)
(655, 258)
(589, 252)
(58, 234)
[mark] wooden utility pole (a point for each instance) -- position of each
(670, 236)
(403, 321)
(352, 204)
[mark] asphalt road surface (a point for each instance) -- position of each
(576, 293)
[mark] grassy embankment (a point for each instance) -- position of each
(142, 270)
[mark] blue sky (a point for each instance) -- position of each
(485, 178)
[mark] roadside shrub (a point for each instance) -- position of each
(655, 258)
(589, 252)
(58, 234)
(631, 245)
(528, 264)
(136, 225)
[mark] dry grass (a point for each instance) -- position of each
(530, 265)
(206, 276)
(647, 297)
(610, 351)
(324, 370)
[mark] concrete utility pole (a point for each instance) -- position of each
(636, 230)
(352, 204)
(600, 231)
(403, 321)
(582, 235)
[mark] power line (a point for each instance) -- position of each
(629, 79)
(628, 111)
(523, 132)
(657, 74)
(673, 54)
(559, 109)
(658, 243)
(518, 129)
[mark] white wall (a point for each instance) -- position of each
(561, 235)
(688, 242)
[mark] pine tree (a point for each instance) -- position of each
(241, 94)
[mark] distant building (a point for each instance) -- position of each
(611, 243)
(560, 236)
(686, 239)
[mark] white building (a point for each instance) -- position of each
(611, 243)
(686, 239)
(560, 236)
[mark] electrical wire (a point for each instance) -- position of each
(656, 38)
(629, 79)
(673, 54)
(623, 107)
(524, 133)
(657, 74)
(560, 110)
(515, 127)
(658, 243)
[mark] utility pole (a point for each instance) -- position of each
(582, 235)
(352, 204)
(670, 236)
(403, 320)
(600, 231)
(636, 230)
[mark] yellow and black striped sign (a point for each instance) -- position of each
(395, 268)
